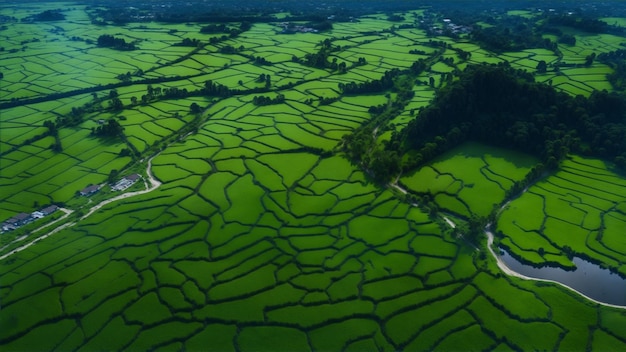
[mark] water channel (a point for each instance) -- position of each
(589, 279)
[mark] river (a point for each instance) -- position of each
(589, 280)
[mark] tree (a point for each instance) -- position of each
(116, 104)
(589, 59)
(542, 67)
(195, 108)
(113, 176)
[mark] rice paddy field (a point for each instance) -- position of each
(262, 235)
(471, 179)
(580, 207)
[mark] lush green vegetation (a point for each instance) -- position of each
(274, 228)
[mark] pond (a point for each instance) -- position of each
(589, 279)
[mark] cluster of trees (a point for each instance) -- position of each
(189, 43)
(617, 61)
(263, 78)
(498, 105)
(109, 41)
(590, 25)
(115, 103)
(215, 28)
(374, 86)
(54, 132)
(261, 100)
(48, 15)
(320, 58)
(216, 89)
(503, 38)
(381, 163)
(111, 128)
(223, 28)
(260, 61)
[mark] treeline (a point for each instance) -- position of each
(498, 105)
(189, 43)
(48, 15)
(109, 41)
(373, 86)
(617, 61)
(111, 128)
(260, 100)
(506, 38)
(225, 29)
(590, 25)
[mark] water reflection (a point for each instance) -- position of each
(589, 279)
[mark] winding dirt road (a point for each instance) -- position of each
(154, 183)
(151, 184)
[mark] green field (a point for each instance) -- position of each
(577, 207)
(471, 179)
(262, 235)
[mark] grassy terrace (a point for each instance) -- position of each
(263, 236)
(579, 209)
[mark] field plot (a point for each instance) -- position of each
(471, 179)
(262, 234)
(579, 209)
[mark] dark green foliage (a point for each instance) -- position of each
(567, 39)
(215, 89)
(617, 60)
(113, 176)
(111, 128)
(542, 67)
(395, 18)
(504, 38)
(214, 28)
(590, 25)
(374, 86)
(48, 15)
(504, 107)
(189, 43)
(260, 100)
(109, 41)
(195, 108)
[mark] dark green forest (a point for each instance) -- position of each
(505, 107)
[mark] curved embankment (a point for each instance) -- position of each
(505, 269)
(502, 265)
(151, 185)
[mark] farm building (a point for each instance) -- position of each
(17, 221)
(126, 182)
(90, 190)
(44, 212)
(49, 210)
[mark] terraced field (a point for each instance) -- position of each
(470, 180)
(579, 210)
(262, 236)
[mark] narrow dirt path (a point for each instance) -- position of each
(505, 269)
(151, 184)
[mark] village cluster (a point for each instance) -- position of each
(22, 219)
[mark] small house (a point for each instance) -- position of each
(90, 190)
(37, 215)
(133, 177)
(18, 220)
(49, 210)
